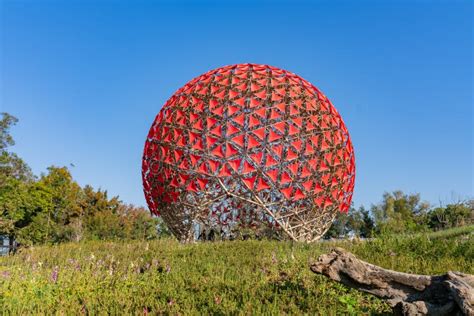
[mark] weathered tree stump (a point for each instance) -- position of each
(409, 294)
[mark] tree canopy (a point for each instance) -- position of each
(54, 208)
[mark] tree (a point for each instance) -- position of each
(339, 227)
(104, 225)
(13, 196)
(368, 226)
(360, 223)
(356, 222)
(54, 208)
(453, 215)
(16, 180)
(138, 223)
(11, 166)
(20, 203)
(399, 212)
(100, 217)
(6, 122)
(65, 194)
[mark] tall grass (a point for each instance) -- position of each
(240, 277)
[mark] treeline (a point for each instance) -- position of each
(401, 213)
(54, 208)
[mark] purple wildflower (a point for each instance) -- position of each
(54, 274)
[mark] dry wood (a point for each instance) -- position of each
(409, 294)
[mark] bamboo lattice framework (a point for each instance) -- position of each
(248, 146)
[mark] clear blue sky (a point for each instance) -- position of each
(86, 79)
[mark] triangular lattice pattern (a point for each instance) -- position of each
(247, 145)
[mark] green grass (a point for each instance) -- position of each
(241, 277)
(453, 232)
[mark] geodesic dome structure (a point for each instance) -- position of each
(248, 146)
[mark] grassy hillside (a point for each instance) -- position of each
(242, 277)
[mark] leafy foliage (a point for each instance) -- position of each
(400, 212)
(453, 215)
(356, 223)
(11, 166)
(54, 208)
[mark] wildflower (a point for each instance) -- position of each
(168, 268)
(274, 258)
(54, 274)
(6, 274)
(111, 268)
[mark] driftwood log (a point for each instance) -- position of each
(409, 294)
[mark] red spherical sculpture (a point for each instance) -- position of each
(248, 146)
